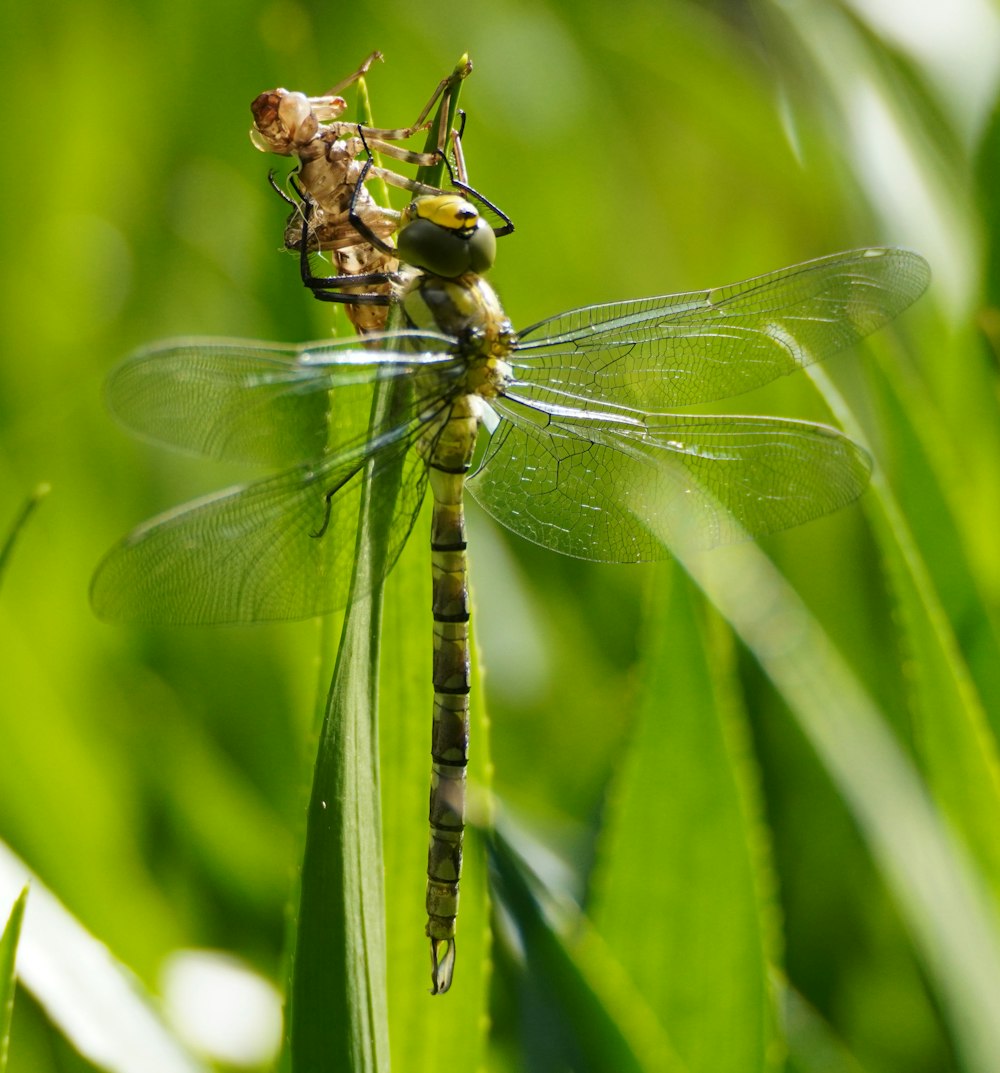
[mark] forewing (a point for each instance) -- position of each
(654, 354)
(616, 491)
(278, 549)
(262, 403)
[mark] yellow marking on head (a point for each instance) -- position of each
(449, 211)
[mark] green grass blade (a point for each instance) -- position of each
(432, 174)
(363, 115)
(338, 1001)
(695, 930)
(955, 747)
(8, 978)
(94, 1001)
(580, 1006)
(12, 930)
(939, 895)
(926, 476)
(338, 1017)
(925, 467)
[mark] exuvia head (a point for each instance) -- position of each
(444, 234)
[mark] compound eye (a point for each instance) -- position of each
(445, 235)
(435, 249)
(482, 247)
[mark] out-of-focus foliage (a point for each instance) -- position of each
(751, 898)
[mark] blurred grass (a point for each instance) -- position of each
(155, 780)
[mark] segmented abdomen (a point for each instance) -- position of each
(448, 451)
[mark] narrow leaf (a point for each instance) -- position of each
(95, 1001)
(940, 896)
(578, 1004)
(694, 931)
(338, 1016)
(444, 121)
(363, 114)
(8, 958)
(955, 746)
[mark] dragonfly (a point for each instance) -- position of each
(586, 453)
(328, 148)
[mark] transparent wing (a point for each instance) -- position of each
(614, 489)
(263, 403)
(281, 548)
(653, 354)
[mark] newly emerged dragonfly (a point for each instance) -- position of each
(585, 454)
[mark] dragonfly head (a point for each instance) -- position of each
(444, 234)
(282, 121)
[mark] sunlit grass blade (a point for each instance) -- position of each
(579, 1005)
(444, 119)
(683, 885)
(954, 531)
(338, 1015)
(12, 930)
(928, 481)
(939, 894)
(363, 114)
(8, 977)
(955, 747)
(337, 1007)
(94, 1001)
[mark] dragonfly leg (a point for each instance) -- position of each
(354, 76)
(507, 227)
(328, 509)
(327, 288)
(353, 215)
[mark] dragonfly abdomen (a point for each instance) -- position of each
(448, 452)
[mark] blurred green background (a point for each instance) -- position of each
(154, 780)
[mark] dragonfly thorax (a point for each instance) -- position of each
(445, 235)
(468, 310)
